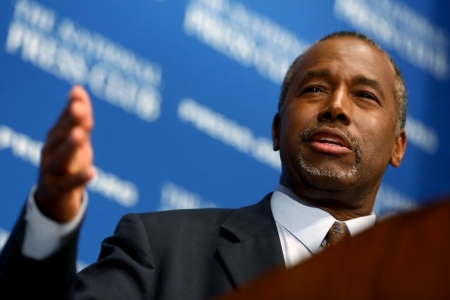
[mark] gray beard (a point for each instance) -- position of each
(314, 171)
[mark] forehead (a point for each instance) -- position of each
(346, 58)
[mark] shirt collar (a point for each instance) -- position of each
(307, 223)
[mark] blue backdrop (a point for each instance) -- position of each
(184, 93)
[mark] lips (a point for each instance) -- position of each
(328, 137)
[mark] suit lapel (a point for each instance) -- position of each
(258, 248)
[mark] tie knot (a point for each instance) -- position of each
(337, 233)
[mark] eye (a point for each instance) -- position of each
(368, 96)
(311, 89)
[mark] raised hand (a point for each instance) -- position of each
(66, 161)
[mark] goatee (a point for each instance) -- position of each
(322, 172)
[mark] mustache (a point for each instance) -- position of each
(308, 133)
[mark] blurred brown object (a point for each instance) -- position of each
(404, 257)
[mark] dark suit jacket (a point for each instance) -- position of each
(186, 254)
(404, 257)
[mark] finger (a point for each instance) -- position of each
(82, 108)
(58, 183)
(81, 158)
(77, 98)
(72, 155)
(77, 113)
(62, 132)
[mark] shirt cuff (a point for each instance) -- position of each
(43, 236)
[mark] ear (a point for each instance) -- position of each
(399, 149)
(276, 132)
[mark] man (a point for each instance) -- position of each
(339, 124)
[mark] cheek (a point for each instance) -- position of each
(294, 120)
(300, 115)
(295, 123)
(377, 139)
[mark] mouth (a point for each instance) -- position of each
(330, 140)
(329, 150)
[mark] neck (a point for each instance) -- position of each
(343, 204)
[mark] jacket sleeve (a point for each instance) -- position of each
(25, 278)
(125, 268)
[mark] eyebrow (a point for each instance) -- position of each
(314, 74)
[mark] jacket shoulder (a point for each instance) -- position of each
(173, 226)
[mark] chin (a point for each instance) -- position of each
(328, 179)
(328, 172)
(329, 183)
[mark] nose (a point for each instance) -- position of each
(336, 108)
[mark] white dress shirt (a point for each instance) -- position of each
(43, 236)
(302, 228)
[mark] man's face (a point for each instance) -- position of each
(336, 128)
